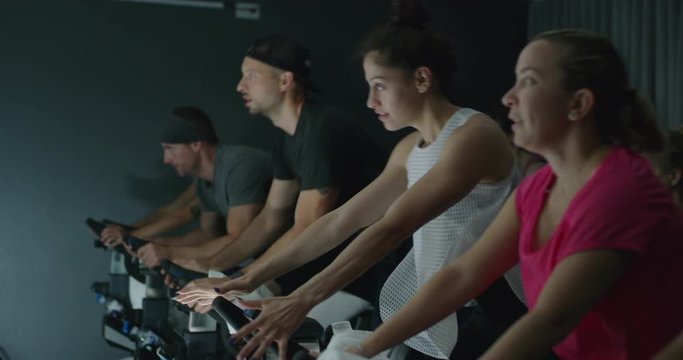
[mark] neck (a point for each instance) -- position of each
(433, 116)
(286, 116)
(206, 167)
(576, 159)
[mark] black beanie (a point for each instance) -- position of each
(181, 128)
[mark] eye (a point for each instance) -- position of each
(378, 86)
(527, 80)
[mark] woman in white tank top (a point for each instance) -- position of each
(444, 237)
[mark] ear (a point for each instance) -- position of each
(196, 146)
(675, 176)
(423, 79)
(286, 80)
(581, 105)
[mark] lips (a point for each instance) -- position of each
(516, 124)
(511, 116)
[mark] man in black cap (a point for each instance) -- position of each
(231, 183)
(320, 159)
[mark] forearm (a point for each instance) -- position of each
(368, 248)
(674, 350)
(256, 237)
(283, 241)
(194, 264)
(151, 218)
(201, 252)
(183, 204)
(531, 337)
(192, 238)
(578, 282)
(292, 251)
(162, 225)
(167, 214)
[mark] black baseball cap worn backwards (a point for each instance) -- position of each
(285, 54)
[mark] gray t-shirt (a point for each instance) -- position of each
(241, 175)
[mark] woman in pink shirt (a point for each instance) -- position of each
(597, 235)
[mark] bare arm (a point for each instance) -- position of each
(311, 205)
(159, 249)
(210, 226)
(576, 284)
(475, 153)
(179, 212)
(673, 351)
(454, 285)
(325, 233)
(169, 221)
(178, 205)
(270, 223)
(333, 228)
(237, 220)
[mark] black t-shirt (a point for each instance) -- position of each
(327, 151)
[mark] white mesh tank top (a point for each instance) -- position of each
(440, 240)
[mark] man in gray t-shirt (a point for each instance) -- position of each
(241, 176)
(231, 182)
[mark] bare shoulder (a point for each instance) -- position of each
(403, 148)
(481, 144)
(480, 127)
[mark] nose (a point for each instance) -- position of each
(240, 85)
(167, 158)
(509, 98)
(372, 101)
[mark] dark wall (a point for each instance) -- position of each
(84, 88)
(488, 36)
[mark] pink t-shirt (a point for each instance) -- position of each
(623, 206)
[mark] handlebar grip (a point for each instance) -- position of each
(234, 316)
(229, 312)
(97, 227)
(180, 275)
(94, 225)
(134, 242)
